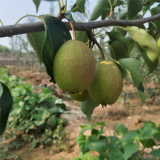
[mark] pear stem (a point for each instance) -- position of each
(100, 48)
(74, 33)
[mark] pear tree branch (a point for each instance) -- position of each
(86, 26)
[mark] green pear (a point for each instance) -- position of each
(81, 96)
(107, 83)
(74, 66)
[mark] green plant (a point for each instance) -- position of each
(123, 145)
(32, 114)
(61, 140)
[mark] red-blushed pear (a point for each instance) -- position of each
(74, 66)
(81, 96)
(107, 83)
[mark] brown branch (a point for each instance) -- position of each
(87, 26)
(100, 48)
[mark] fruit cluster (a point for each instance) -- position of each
(76, 72)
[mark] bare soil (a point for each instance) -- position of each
(128, 112)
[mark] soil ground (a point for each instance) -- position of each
(126, 111)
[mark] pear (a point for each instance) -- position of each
(81, 96)
(74, 66)
(107, 83)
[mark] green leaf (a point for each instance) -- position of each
(79, 6)
(37, 40)
(85, 128)
(155, 153)
(147, 45)
(145, 8)
(86, 156)
(118, 50)
(37, 3)
(1, 90)
(103, 139)
(155, 11)
(83, 147)
(82, 36)
(131, 135)
(100, 147)
(105, 13)
(133, 11)
(6, 103)
(121, 129)
(69, 16)
(148, 143)
(129, 149)
(114, 153)
(102, 9)
(157, 135)
(96, 132)
(149, 124)
(52, 121)
(81, 139)
(131, 65)
(92, 138)
(38, 123)
(87, 107)
(56, 110)
(113, 139)
(56, 34)
(113, 36)
(147, 133)
(149, 1)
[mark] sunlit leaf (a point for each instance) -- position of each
(147, 133)
(129, 149)
(121, 129)
(102, 8)
(37, 40)
(79, 6)
(147, 46)
(131, 65)
(6, 103)
(37, 3)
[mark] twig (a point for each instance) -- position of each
(92, 39)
